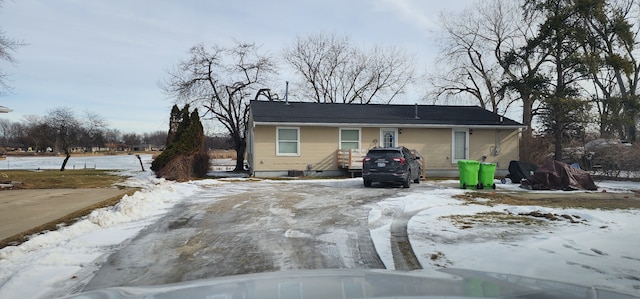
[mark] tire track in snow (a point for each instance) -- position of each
(404, 258)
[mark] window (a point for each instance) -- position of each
(349, 138)
(288, 142)
(460, 146)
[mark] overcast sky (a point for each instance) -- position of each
(107, 57)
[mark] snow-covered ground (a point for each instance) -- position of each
(600, 249)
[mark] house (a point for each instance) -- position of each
(330, 139)
(145, 147)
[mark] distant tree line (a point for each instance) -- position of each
(62, 130)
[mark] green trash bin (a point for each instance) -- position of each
(486, 175)
(468, 173)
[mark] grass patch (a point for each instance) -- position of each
(437, 179)
(492, 218)
(55, 179)
(585, 200)
(436, 256)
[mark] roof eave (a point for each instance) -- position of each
(370, 125)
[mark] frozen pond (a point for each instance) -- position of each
(119, 162)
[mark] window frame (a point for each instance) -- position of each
(340, 141)
(278, 153)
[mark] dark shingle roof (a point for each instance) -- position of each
(335, 113)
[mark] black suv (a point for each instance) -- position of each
(390, 165)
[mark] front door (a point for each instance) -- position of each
(460, 148)
(389, 137)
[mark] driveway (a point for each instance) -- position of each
(24, 212)
(259, 227)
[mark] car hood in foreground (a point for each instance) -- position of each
(309, 284)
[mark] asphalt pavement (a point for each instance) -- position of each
(262, 227)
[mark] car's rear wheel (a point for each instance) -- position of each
(407, 182)
(367, 183)
(417, 180)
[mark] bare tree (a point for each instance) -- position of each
(7, 47)
(8, 133)
(155, 138)
(223, 81)
(66, 128)
(523, 65)
(38, 133)
(472, 51)
(113, 136)
(94, 127)
(5, 131)
(334, 70)
(131, 139)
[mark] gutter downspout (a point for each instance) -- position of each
(496, 148)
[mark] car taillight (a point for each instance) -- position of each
(401, 160)
(366, 159)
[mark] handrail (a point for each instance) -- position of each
(422, 162)
(351, 158)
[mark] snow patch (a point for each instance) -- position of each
(53, 258)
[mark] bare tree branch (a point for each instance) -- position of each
(482, 60)
(8, 46)
(223, 81)
(333, 70)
